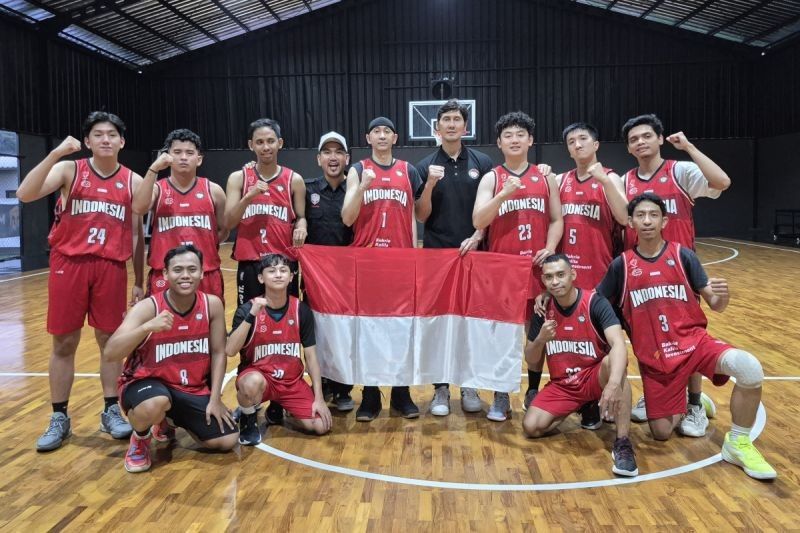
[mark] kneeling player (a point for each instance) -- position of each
(580, 330)
(175, 371)
(267, 332)
(658, 285)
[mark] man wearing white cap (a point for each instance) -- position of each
(324, 200)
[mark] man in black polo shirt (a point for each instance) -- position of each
(451, 174)
(324, 199)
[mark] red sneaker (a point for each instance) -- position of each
(163, 432)
(138, 457)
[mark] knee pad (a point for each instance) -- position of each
(744, 367)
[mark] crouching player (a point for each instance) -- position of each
(267, 333)
(580, 329)
(176, 342)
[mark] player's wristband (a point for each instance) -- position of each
(153, 171)
(250, 319)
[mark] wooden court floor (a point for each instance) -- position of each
(459, 473)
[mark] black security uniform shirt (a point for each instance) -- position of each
(453, 196)
(324, 213)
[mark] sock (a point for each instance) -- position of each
(142, 435)
(737, 431)
(247, 410)
(60, 407)
(110, 400)
(694, 398)
(534, 378)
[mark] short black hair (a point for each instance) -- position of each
(515, 118)
(185, 135)
(595, 135)
(271, 260)
(96, 117)
(555, 258)
(647, 197)
(643, 120)
(182, 249)
(264, 123)
(452, 105)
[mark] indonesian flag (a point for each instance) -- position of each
(392, 316)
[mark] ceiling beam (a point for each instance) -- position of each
(744, 15)
(651, 8)
(769, 31)
(230, 15)
(82, 26)
(611, 4)
(95, 9)
(189, 21)
(145, 27)
(694, 12)
(308, 6)
(270, 10)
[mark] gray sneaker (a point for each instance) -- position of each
(529, 396)
(470, 401)
(440, 405)
(112, 422)
(57, 431)
(501, 407)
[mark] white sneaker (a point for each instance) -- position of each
(501, 407)
(470, 401)
(695, 422)
(639, 413)
(440, 405)
(708, 405)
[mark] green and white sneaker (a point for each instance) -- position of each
(741, 452)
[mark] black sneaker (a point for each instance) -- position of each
(401, 401)
(344, 402)
(590, 416)
(249, 434)
(274, 414)
(624, 458)
(327, 390)
(370, 406)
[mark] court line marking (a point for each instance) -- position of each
(735, 254)
(25, 276)
(767, 246)
(760, 423)
(729, 258)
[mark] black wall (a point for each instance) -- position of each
(779, 179)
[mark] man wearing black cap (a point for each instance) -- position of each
(324, 200)
(379, 207)
(451, 175)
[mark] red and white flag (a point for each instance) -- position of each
(418, 316)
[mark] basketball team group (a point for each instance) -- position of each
(608, 254)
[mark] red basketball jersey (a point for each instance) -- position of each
(268, 222)
(589, 228)
(180, 357)
(387, 208)
(96, 219)
(184, 218)
(520, 227)
(577, 345)
(661, 310)
(663, 183)
(274, 347)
